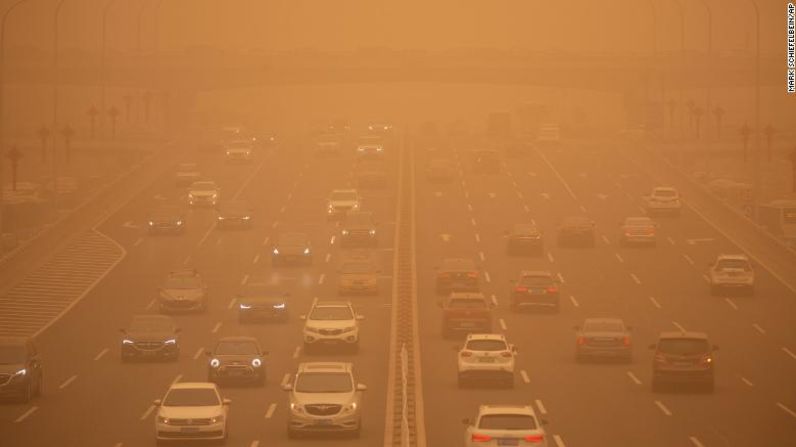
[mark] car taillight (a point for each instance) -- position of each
(466, 354)
(581, 341)
(505, 354)
(472, 274)
(626, 341)
(479, 437)
(552, 289)
(534, 438)
(520, 289)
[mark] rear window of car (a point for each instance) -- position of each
(665, 193)
(683, 346)
(507, 422)
(603, 326)
(536, 280)
(486, 345)
(467, 303)
(733, 264)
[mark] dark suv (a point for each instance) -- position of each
(238, 359)
(457, 275)
(358, 230)
(536, 290)
(151, 337)
(21, 373)
(683, 358)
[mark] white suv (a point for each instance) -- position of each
(324, 398)
(663, 200)
(731, 272)
(341, 201)
(331, 323)
(486, 357)
(499, 425)
(191, 410)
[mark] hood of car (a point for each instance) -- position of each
(190, 412)
(203, 192)
(291, 249)
(149, 336)
(182, 294)
(330, 324)
(323, 398)
(349, 203)
(237, 359)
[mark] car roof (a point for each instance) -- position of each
(506, 409)
(192, 385)
(683, 335)
(486, 337)
(325, 367)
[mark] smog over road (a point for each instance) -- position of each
(382, 223)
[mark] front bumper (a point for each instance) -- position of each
(263, 314)
(202, 201)
(357, 239)
(155, 351)
(211, 432)
(344, 338)
(238, 157)
(684, 376)
(234, 222)
(236, 373)
(341, 422)
(14, 386)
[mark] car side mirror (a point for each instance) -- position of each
(157, 402)
(226, 401)
(652, 346)
(287, 387)
(362, 387)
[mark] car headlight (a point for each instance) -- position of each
(246, 217)
(220, 217)
(276, 251)
(127, 341)
(163, 420)
(217, 419)
(171, 341)
(298, 408)
(356, 206)
(307, 251)
(372, 232)
(21, 373)
(257, 363)
(245, 306)
(345, 232)
(229, 153)
(151, 224)
(179, 222)
(350, 407)
(191, 197)
(379, 149)
(349, 328)
(279, 306)
(214, 196)
(215, 363)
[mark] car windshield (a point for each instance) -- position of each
(357, 267)
(12, 354)
(150, 324)
(183, 282)
(664, 193)
(331, 313)
(204, 186)
(343, 195)
(236, 348)
(467, 303)
(733, 264)
(486, 345)
(324, 382)
(683, 346)
(536, 280)
(191, 397)
(507, 422)
(603, 326)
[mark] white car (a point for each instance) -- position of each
(731, 272)
(505, 425)
(191, 411)
(663, 200)
(239, 151)
(331, 323)
(203, 193)
(324, 398)
(341, 201)
(487, 358)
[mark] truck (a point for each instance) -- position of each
(778, 217)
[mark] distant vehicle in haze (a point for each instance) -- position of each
(292, 249)
(778, 217)
(203, 193)
(731, 272)
(524, 239)
(262, 302)
(183, 291)
(358, 274)
(358, 229)
(234, 214)
(370, 151)
(683, 358)
(505, 425)
(187, 173)
(237, 359)
(663, 200)
(535, 290)
(341, 201)
(457, 275)
(166, 219)
(466, 313)
(576, 231)
(331, 324)
(486, 358)
(239, 151)
(150, 337)
(191, 411)
(21, 369)
(603, 339)
(380, 127)
(638, 231)
(548, 135)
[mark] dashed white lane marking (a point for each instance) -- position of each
(481, 255)
(502, 324)
(574, 301)
(101, 354)
(285, 379)
(635, 278)
(275, 224)
(655, 302)
(245, 279)
(270, 412)
(467, 195)
(328, 257)
(527, 210)
(560, 278)
(477, 237)
(321, 278)
(282, 210)
(265, 241)
(216, 328)
(472, 220)
(550, 257)
(605, 239)
(789, 352)
(759, 329)
(469, 207)
(619, 257)
(25, 415)
(331, 241)
(559, 441)
(688, 259)
(198, 353)
(583, 208)
(232, 303)
(541, 407)
(67, 382)
(150, 305)
(695, 441)
(138, 242)
(669, 238)
(487, 277)
(731, 303)
(255, 443)
(663, 408)
(678, 326)
(784, 408)
(187, 260)
(147, 413)
(494, 300)
(747, 381)
(533, 221)
(289, 196)
(633, 378)
(524, 376)
(519, 194)
(296, 352)
(256, 258)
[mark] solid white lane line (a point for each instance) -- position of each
(759, 329)
(331, 241)
(245, 279)
(605, 239)
(669, 238)
(559, 441)
(541, 407)
(232, 303)
(216, 328)
(655, 302)
(270, 412)
(176, 379)
(619, 257)
(663, 408)
(265, 241)
(472, 220)
(487, 277)
(695, 441)
(151, 303)
(147, 412)
(198, 353)
(502, 324)
(789, 352)
(731, 303)
(747, 381)
(256, 258)
(25, 415)
(524, 376)
(296, 352)
(477, 237)
(678, 326)
(494, 300)
(635, 278)
(633, 378)
(328, 257)
(321, 278)
(481, 255)
(67, 382)
(784, 408)
(101, 354)
(550, 257)
(138, 242)
(574, 301)
(275, 224)
(285, 379)
(688, 259)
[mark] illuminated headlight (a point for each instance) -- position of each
(22, 372)
(163, 420)
(345, 232)
(257, 363)
(356, 206)
(220, 217)
(151, 224)
(296, 407)
(245, 306)
(271, 139)
(349, 328)
(191, 197)
(279, 306)
(380, 149)
(372, 232)
(350, 408)
(215, 363)
(229, 153)
(370, 127)
(179, 222)
(246, 217)
(360, 149)
(214, 196)
(216, 419)
(307, 251)
(171, 341)
(276, 251)
(127, 341)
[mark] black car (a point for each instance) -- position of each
(576, 231)
(457, 275)
(535, 290)
(21, 372)
(151, 337)
(683, 358)
(235, 214)
(237, 359)
(166, 219)
(524, 239)
(358, 229)
(262, 302)
(292, 249)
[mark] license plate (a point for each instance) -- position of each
(149, 353)
(486, 360)
(467, 324)
(508, 441)
(189, 429)
(324, 422)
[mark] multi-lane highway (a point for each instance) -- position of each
(92, 399)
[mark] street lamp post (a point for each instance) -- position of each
(756, 189)
(103, 74)
(54, 158)
(709, 80)
(682, 50)
(2, 88)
